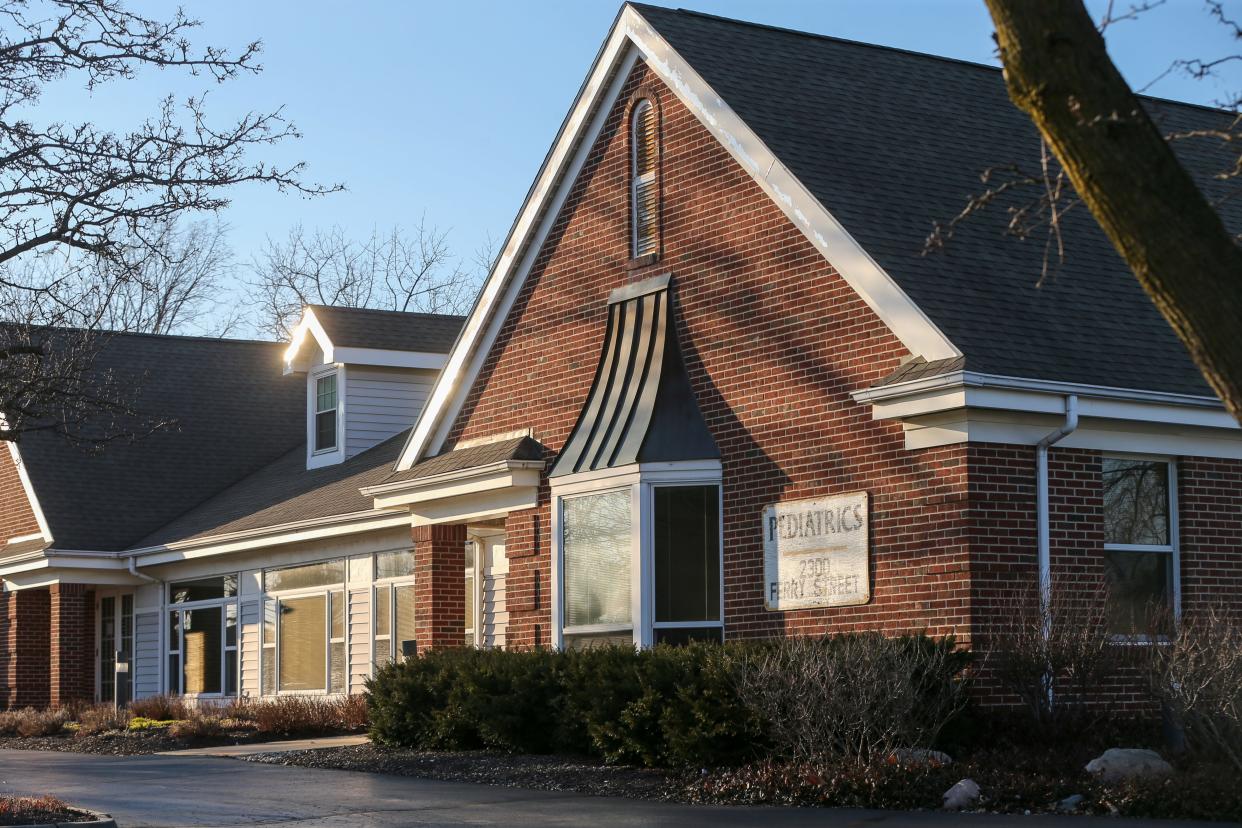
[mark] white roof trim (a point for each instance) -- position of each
(31, 497)
(560, 171)
(309, 325)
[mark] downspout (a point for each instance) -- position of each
(133, 570)
(1042, 520)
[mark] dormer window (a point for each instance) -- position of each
(644, 189)
(325, 412)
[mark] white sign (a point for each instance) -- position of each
(816, 553)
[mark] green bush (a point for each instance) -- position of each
(663, 707)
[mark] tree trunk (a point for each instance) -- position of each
(1059, 73)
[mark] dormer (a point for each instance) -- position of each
(368, 374)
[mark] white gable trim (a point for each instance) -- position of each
(310, 326)
(33, 499)
(630, 38)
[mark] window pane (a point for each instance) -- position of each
(268, 668)
(269, 622)
(203, 651)
(174, 631)
(470, 604)
(337, 655)
(382, 604)
(471, 548)
(230, 625)
(398, 564)
(230, 673)
(382, 653)
(596, 543)
(328, 573)
(687, 553)
(325, 393)
(338, 614)
(303, 642)
(107, 648)
(1136, 501)
(325, 430)
(1138, 584)
(174, 674)
(203, 589)
(404, 596)
(585, 641)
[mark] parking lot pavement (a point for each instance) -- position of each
(171, 790)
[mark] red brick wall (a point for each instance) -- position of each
(1209, 495)
(16, 515)
(440, 586)
(24, 663)
(72, 643)
(774, 342)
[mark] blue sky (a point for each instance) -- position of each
(446, 109)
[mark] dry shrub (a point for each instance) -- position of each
(159, 708)
(101, 718)
(308, 715)
(856, 697)
(1198, 674)
(198, 725)
(1057, 659)
(18, 810)
(31, 722)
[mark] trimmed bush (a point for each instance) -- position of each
(691, 706)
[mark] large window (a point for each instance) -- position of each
(686, 549)
(202, 636)
(1140, 543)
(596, 552)
(304, 629)
(393, 617)
(325, 412)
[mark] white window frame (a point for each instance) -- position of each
(227, 651)
(1172, 548)
(326, 591)
(316, 458)
(474, 625)
(639, 480)
(392, 584)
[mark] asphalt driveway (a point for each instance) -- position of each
(203, 791)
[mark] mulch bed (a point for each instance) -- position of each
(43, 810)
(127, 743)
(546, 773)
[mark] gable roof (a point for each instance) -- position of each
(388, 330)
(284, 491)
(233, 410)
(890, 141)
(864, 148)
(471, 457)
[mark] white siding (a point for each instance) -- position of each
(146, 654)
(359, 638)
(495, 614)
(381, 402)
(251, 641)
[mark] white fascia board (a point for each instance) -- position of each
(882, 294)
(477, 506)
(631, 37)
(309, 325)
(28, 487)
(444, 487)
(299, 532)
(389, 359)
(535, 219)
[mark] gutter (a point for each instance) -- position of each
(1042, 519)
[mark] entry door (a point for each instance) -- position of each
(116, 640)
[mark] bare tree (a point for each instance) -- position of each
(391, 271)
(1105, 152)
(108, 197)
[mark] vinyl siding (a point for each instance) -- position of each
(381, 402)
(251, 640)
(359, 638)
(146, 654)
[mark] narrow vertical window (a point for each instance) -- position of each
(325, 413)
(1140, 546)
(644, 193)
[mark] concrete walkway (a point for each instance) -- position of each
(271, 747)
(178, 790)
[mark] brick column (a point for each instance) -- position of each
(440, 585)
(26, 645)
(72, 656)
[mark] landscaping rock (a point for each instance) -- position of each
(1121, 764)
(1070, 804)
(919, 758)
(962, 795)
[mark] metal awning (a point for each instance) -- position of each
(641, 407)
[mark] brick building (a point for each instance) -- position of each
(713, 387)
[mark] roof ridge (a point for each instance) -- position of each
(898, 49)
(349, 308)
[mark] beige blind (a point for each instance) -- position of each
(597, 559)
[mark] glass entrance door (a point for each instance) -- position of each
(116, 643)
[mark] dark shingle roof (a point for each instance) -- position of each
(517, 448)
(234, 413)
(389, 330)
(284, 492)
(919, 368)
(891, 141)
